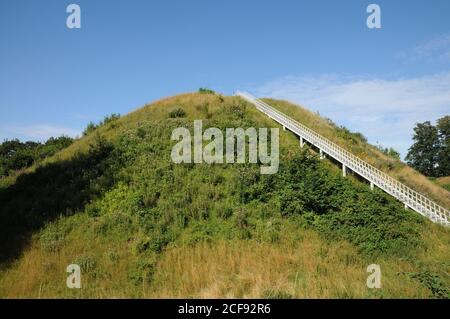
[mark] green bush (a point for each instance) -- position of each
(372, 220)
(206, 91)
(143, 270)
(352, 137)
(53, 237)
(15, 155)
(179, 112)
(433, 282)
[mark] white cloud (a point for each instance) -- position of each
(436, 50)
(383, 110)
(39, 131)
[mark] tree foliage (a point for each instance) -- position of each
(430, 153)
(206, 91)
(443, 126)
(15, 155)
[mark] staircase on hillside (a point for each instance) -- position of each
(403, 193)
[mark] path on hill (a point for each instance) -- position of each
(409, 197)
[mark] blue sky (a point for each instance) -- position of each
(320, 54)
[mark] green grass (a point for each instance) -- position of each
(141, 226)
(444, 182)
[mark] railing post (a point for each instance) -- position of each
(321, 154)
(344, 170)
(302, 143)
(371, 186)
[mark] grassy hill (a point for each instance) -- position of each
(444, 182)
(140, 226)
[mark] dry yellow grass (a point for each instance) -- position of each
(443, 180)
(307, 267)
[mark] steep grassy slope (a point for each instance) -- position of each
(141, 226)
(354, 144)
(444, 182)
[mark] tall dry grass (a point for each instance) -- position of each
(310, 268)
(296, 267)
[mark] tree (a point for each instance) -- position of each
(15, 155)
(54, 145)
(423, 154)
(443, 126)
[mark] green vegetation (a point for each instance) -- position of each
(91, 127)
(336, 207)
(141, 226)
(389, 152)
(206, 91)
(430, 152)
(179, 112)
(433, 282)
(444, 182)
(349, 136)
(16, 155)
(367, 152)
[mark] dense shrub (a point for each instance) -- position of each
(179, 112)
(372, 220)
(15, 155)
(433, 282)
(206, 91)
(352, 137)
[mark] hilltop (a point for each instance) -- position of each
(141, 226)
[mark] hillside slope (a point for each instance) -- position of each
(141, 226)
(444, 182)
(355, 144)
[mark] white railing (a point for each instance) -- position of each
(403, 193)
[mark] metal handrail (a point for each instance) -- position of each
(405, 194)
